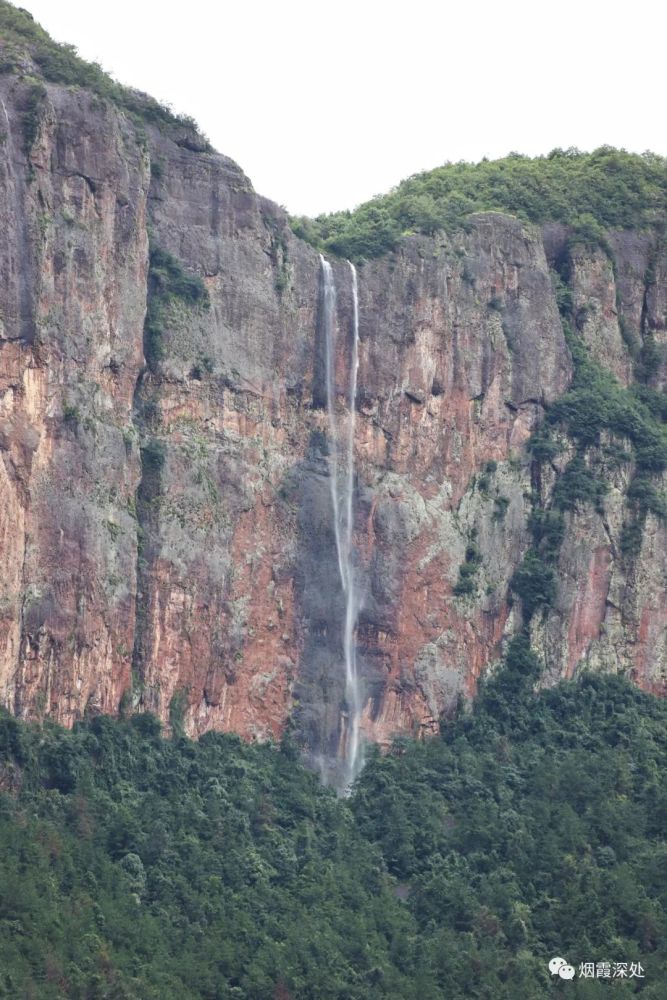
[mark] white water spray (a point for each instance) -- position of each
(342, 509)
(9, 125)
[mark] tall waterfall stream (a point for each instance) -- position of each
(341, 484)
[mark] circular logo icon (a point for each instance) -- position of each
(555, 965)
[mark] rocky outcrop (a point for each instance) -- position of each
(74, 262)
(165, 524)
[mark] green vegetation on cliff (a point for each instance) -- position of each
(168, 283)
(591, 192)
(20, 34)
(595, 405)
(607, 424)
(136, 867)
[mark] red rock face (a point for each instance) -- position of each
(166, 529)
(587, 614)
(74, 270)
(649, 621)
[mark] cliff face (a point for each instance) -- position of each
(165, 523)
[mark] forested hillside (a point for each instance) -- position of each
(591, 192)
(137, 867)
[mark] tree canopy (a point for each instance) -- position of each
(590, 192)
(137, 867)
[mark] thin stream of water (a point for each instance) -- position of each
(342, 496)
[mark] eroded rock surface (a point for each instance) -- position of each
(165, 523)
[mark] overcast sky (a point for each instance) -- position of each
(325, 105)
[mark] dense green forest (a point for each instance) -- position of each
(132, 866)
(591, 192)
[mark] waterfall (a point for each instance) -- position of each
(342, 509)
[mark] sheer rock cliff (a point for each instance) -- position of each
(165, 524)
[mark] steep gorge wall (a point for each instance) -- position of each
(165, 522)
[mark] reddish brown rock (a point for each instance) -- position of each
(74, 270)
(587, 614)
(166, 529)
(596, 311)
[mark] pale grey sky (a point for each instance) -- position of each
(325, 105)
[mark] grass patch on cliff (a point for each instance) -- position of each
(468, 571)
(597, 402)
(590, 192)
(30, 102)
(168, 282)
(60, 63)
(534, 582)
